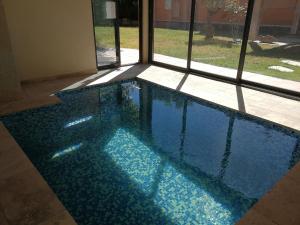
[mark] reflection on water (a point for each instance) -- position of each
(151, 156)
(78, 121)
(67, 150)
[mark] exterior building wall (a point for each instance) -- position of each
(178, 12)
(278, 12)
(273, 13)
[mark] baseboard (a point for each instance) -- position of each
(10, 95)
(59, 76)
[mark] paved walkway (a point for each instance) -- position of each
(228, 72)
(108, 56)
(25, 198)
(130, 56)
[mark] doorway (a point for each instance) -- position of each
(117, 30)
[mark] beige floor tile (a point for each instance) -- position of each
(164, 77)
(254, 218)
(294, 174)
(12, 158)
(25, 198)
(282, 203)
(3, 220)
(28, 103)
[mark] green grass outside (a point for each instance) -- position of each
(217, 52)
(128, 37)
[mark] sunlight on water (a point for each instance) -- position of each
(135, 158)
(158, 179)
(191, 199)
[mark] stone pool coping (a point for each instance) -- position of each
(280, 206)
(25, 197)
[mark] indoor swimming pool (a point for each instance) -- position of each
(137, 153)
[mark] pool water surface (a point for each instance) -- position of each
(136, 153)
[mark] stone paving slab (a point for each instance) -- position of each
(25, 198)
(28, 103)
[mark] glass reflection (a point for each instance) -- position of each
(273, 51)
(67, 150)
(171, 31)
(217, 36)
(87, 118)
(221, 144)
(105, 29)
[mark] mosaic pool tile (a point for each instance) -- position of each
(135, 153)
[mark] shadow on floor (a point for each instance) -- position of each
(109, 76)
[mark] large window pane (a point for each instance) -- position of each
(105, 28)
(171, 31)
(273, 53)
(129, 31)
(217, 38)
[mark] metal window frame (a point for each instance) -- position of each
(246, 31)
(117, 36)
(238, 80)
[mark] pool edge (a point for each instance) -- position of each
(19, 200)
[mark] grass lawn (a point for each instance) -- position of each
(128, 37)
(217, 52)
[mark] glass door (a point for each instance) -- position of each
(107, 36)
(129, 21)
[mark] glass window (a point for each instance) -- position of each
(168, 4)
(171, 31)
(129, 31)
(273, 53)
(105, 32)
(217, 37)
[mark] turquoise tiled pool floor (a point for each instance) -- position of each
(133, 153)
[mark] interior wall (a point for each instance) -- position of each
(51, 37)
(9, 80)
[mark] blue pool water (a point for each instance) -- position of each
(134, 153)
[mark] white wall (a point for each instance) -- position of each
(51, 37)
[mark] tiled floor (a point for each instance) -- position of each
(25, 198)
(280, 206)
